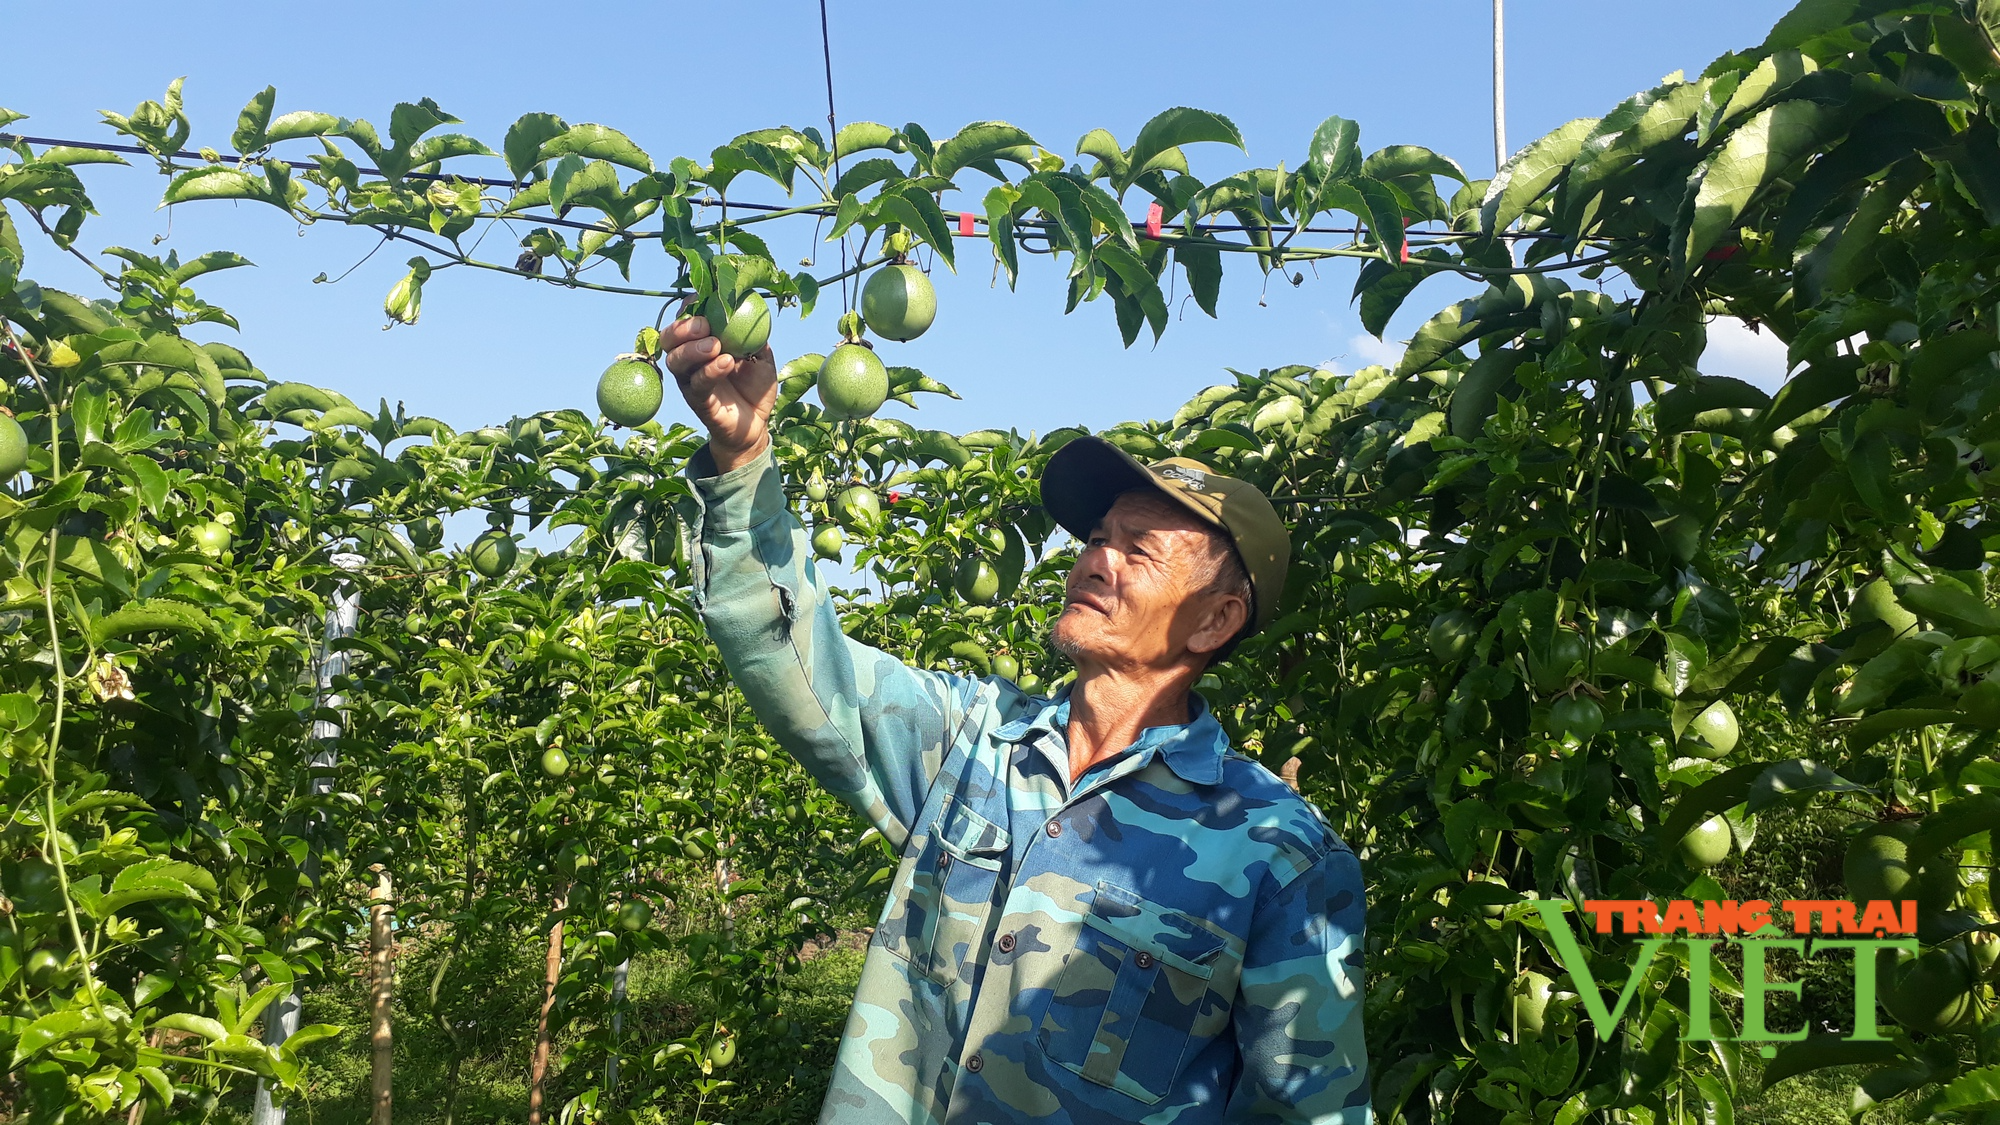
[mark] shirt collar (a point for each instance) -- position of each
(1193, 750)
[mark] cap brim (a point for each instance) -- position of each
(1085, 477)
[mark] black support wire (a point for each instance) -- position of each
(11, 139)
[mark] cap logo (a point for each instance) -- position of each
(1192, 478)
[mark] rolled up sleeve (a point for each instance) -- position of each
(870, 728)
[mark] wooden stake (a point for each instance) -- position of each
(382, 962)
(540, 1068)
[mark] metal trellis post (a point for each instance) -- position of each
(281, 1019)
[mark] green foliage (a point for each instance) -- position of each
(1533, 564)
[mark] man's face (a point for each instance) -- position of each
(1138, 593)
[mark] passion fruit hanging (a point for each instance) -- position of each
(898, 302)
(630, 391)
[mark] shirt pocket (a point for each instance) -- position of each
(942, 926)
(1131, 994)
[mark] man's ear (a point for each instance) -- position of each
(1221, 620)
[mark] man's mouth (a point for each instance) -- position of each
(1088, 602)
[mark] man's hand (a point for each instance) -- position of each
(732, 397)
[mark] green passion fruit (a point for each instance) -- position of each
(859, 508)
(828, 541)
(1877, 865)
(898, 302)
(722, 1052)
(13, 447)
(212, 538)
(1933, 992)
(1530, 994)
(1566, 651)
(976, 581)
(426, 533)
(853, 383)
(1576, 716)
(744, 330)
(630, 391)
(555, 763)
(1713, 732)
(635, 915)
(1007, 666)
(493, 553)
(1707, 844)
(1452, 635)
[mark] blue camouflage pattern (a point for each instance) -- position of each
(1175, 937)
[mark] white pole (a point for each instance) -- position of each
(1499, 85)
(281, 1019)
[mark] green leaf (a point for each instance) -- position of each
(979, 141)
(305, 123)
(215, 182)
(1530, 172)
(68, 156)
(525, 138)
(308, 1035)
(1796, 779)
(916, 209)
(203, 1026)
(1204, 273)
(1823, 1050)
(48, 1031)
(1956, 609)
(1776, 72)
(859, 136)
(155, 615)
(1438, 337)
(154, 485)
(1383, 286)
(1137, 282)
(253, 120)
(410, 120)
(1335, 151)
(208, 263)
(1755, 154)
(1885, 672)
(1377, 205)
(1170, 130)
(433, 149)
(596, 142)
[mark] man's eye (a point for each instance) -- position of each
(1097, 541)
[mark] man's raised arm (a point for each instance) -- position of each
(871, 729)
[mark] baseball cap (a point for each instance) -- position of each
(1084, 478)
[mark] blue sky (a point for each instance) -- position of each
(681, 79)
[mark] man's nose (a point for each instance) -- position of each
(1094, 563)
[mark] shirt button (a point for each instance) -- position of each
(975, 1064)
(1006, 943)
(944, 861)
(1144, 960)
(1055, 829)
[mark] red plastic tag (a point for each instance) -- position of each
(1154, 213)
(965, 225)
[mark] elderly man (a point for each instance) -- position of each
(1103, 912)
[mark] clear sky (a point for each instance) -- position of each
(681, 79)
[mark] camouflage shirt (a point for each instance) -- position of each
(1174, 937)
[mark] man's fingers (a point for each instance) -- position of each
(685, 359)
(706, 378)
